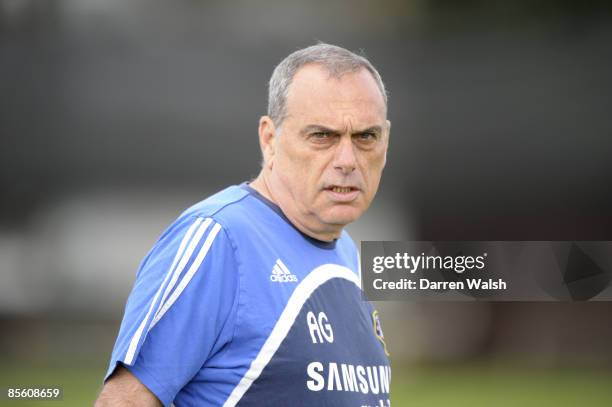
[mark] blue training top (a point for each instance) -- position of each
(235, 306)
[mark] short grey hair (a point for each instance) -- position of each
(336, 60)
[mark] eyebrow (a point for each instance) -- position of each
(319, 128)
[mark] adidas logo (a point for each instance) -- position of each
(281, 274)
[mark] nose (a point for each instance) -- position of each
(344, 157)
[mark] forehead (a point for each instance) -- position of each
(316, 96)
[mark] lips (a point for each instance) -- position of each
(342, 190)
(342, 193)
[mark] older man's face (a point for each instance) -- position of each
(331, 152)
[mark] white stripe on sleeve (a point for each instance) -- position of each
(194, 242)
(129, 356)
(190, 273)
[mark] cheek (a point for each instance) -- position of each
(299, 172)
(373, 166)
(314, 169)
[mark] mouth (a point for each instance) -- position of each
(339, 193)
(342, 190)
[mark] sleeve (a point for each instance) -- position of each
(181, 309)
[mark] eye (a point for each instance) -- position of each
(322, 137)
(366, 137)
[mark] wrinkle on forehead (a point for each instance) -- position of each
(347, 121)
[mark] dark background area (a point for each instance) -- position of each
(500, 111)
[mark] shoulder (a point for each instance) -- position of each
(348, 250)
(346, 243)
(231, 208)
(201, 228)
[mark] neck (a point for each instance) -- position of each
(262, 185)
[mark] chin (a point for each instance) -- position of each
(342, 215)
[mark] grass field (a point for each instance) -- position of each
(457, 386)
(476, 386)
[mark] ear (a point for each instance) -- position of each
(387, 141)
(267, 133)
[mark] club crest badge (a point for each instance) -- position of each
(378, 331)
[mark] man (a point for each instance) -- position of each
(252, 296)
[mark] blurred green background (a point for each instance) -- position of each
(475, 385)
(74, 354)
